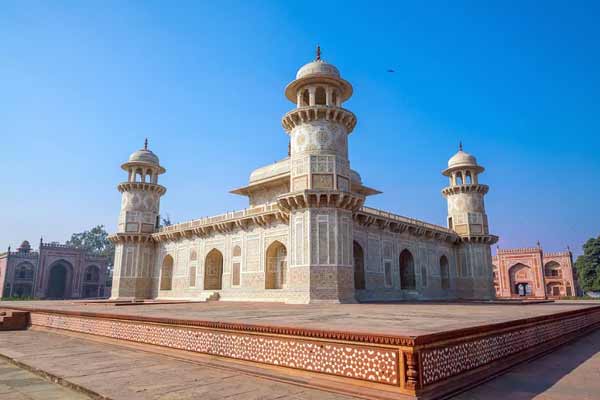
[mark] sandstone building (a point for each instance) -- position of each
(529, 272)
(56, 271)
(306, 236)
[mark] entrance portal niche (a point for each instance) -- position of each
(213, 270)
(407, 271)
(359, 267)
(166, 273)
(58, 281)
(521, 280)
(276, 272)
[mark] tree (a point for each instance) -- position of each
(588, 266)
(95, 241)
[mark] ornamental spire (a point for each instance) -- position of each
(460, 146)
(146, 144)
(318, 53)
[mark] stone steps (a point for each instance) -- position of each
(13, 320)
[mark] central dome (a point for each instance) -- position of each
(318, 68)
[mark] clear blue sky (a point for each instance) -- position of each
(83, 82)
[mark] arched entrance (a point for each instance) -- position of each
(521, 280)
(213, 270)
(91, 281)
(276, 273)
(166, 273)
(58, 282)
(359, 266)
(444, 272)
(407, 271)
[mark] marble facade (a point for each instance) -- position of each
(307, 236)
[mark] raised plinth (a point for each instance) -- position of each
(302, 115)
(426, 350)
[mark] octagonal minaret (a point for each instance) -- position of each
(321, 198)
(138, 220)
(467, 217)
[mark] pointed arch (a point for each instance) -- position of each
(444, 272)
(407, 271)
(213, 270)
(276, 271)
(359, 266)
(166, 273)
(60, 277)
(320, 96)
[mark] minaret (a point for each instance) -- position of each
(321, 200)
(138, 220)
(467, 217)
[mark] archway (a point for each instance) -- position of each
(275, 276)
(554, 289)
(444, 272)
(213, 270)
(57, 282)
(91, 281)
(407, 271)
(359, 266)
(552, 270)
(521, 280)
(166, 273)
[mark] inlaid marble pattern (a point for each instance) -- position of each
(444, 362)
(360, 362)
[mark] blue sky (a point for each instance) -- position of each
(83, 83)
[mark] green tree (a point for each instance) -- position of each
(588, 265)
(95, 241)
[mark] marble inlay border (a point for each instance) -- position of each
(453, 359)
(366, 363)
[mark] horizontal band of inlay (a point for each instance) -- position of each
(359, 362)
(447, 361)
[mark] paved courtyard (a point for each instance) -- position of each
(19, 384)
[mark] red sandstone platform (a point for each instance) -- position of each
(375, 350)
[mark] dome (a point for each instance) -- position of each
(25, 246)
(462, 159)
(355, 177)
(318, 68)
(144, 155)
(272, 170)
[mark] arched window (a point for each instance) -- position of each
(166, 273)
(213, 270)
(24, 272)
(320, 96)
(359, 266)
(193, 255)
(92, 274)
(275, 276)
(139, 175)
(148, 176)
(334, 98)
(459, 178)
(305, 98)
(553, 270)
(444, 273)
(407, 271)
(237, 251)
(468, 179)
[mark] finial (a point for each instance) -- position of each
(538, 244)
(568, 248)
(146, 144)
(460, 146)
(318, 53)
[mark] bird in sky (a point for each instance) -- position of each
(390, 70)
